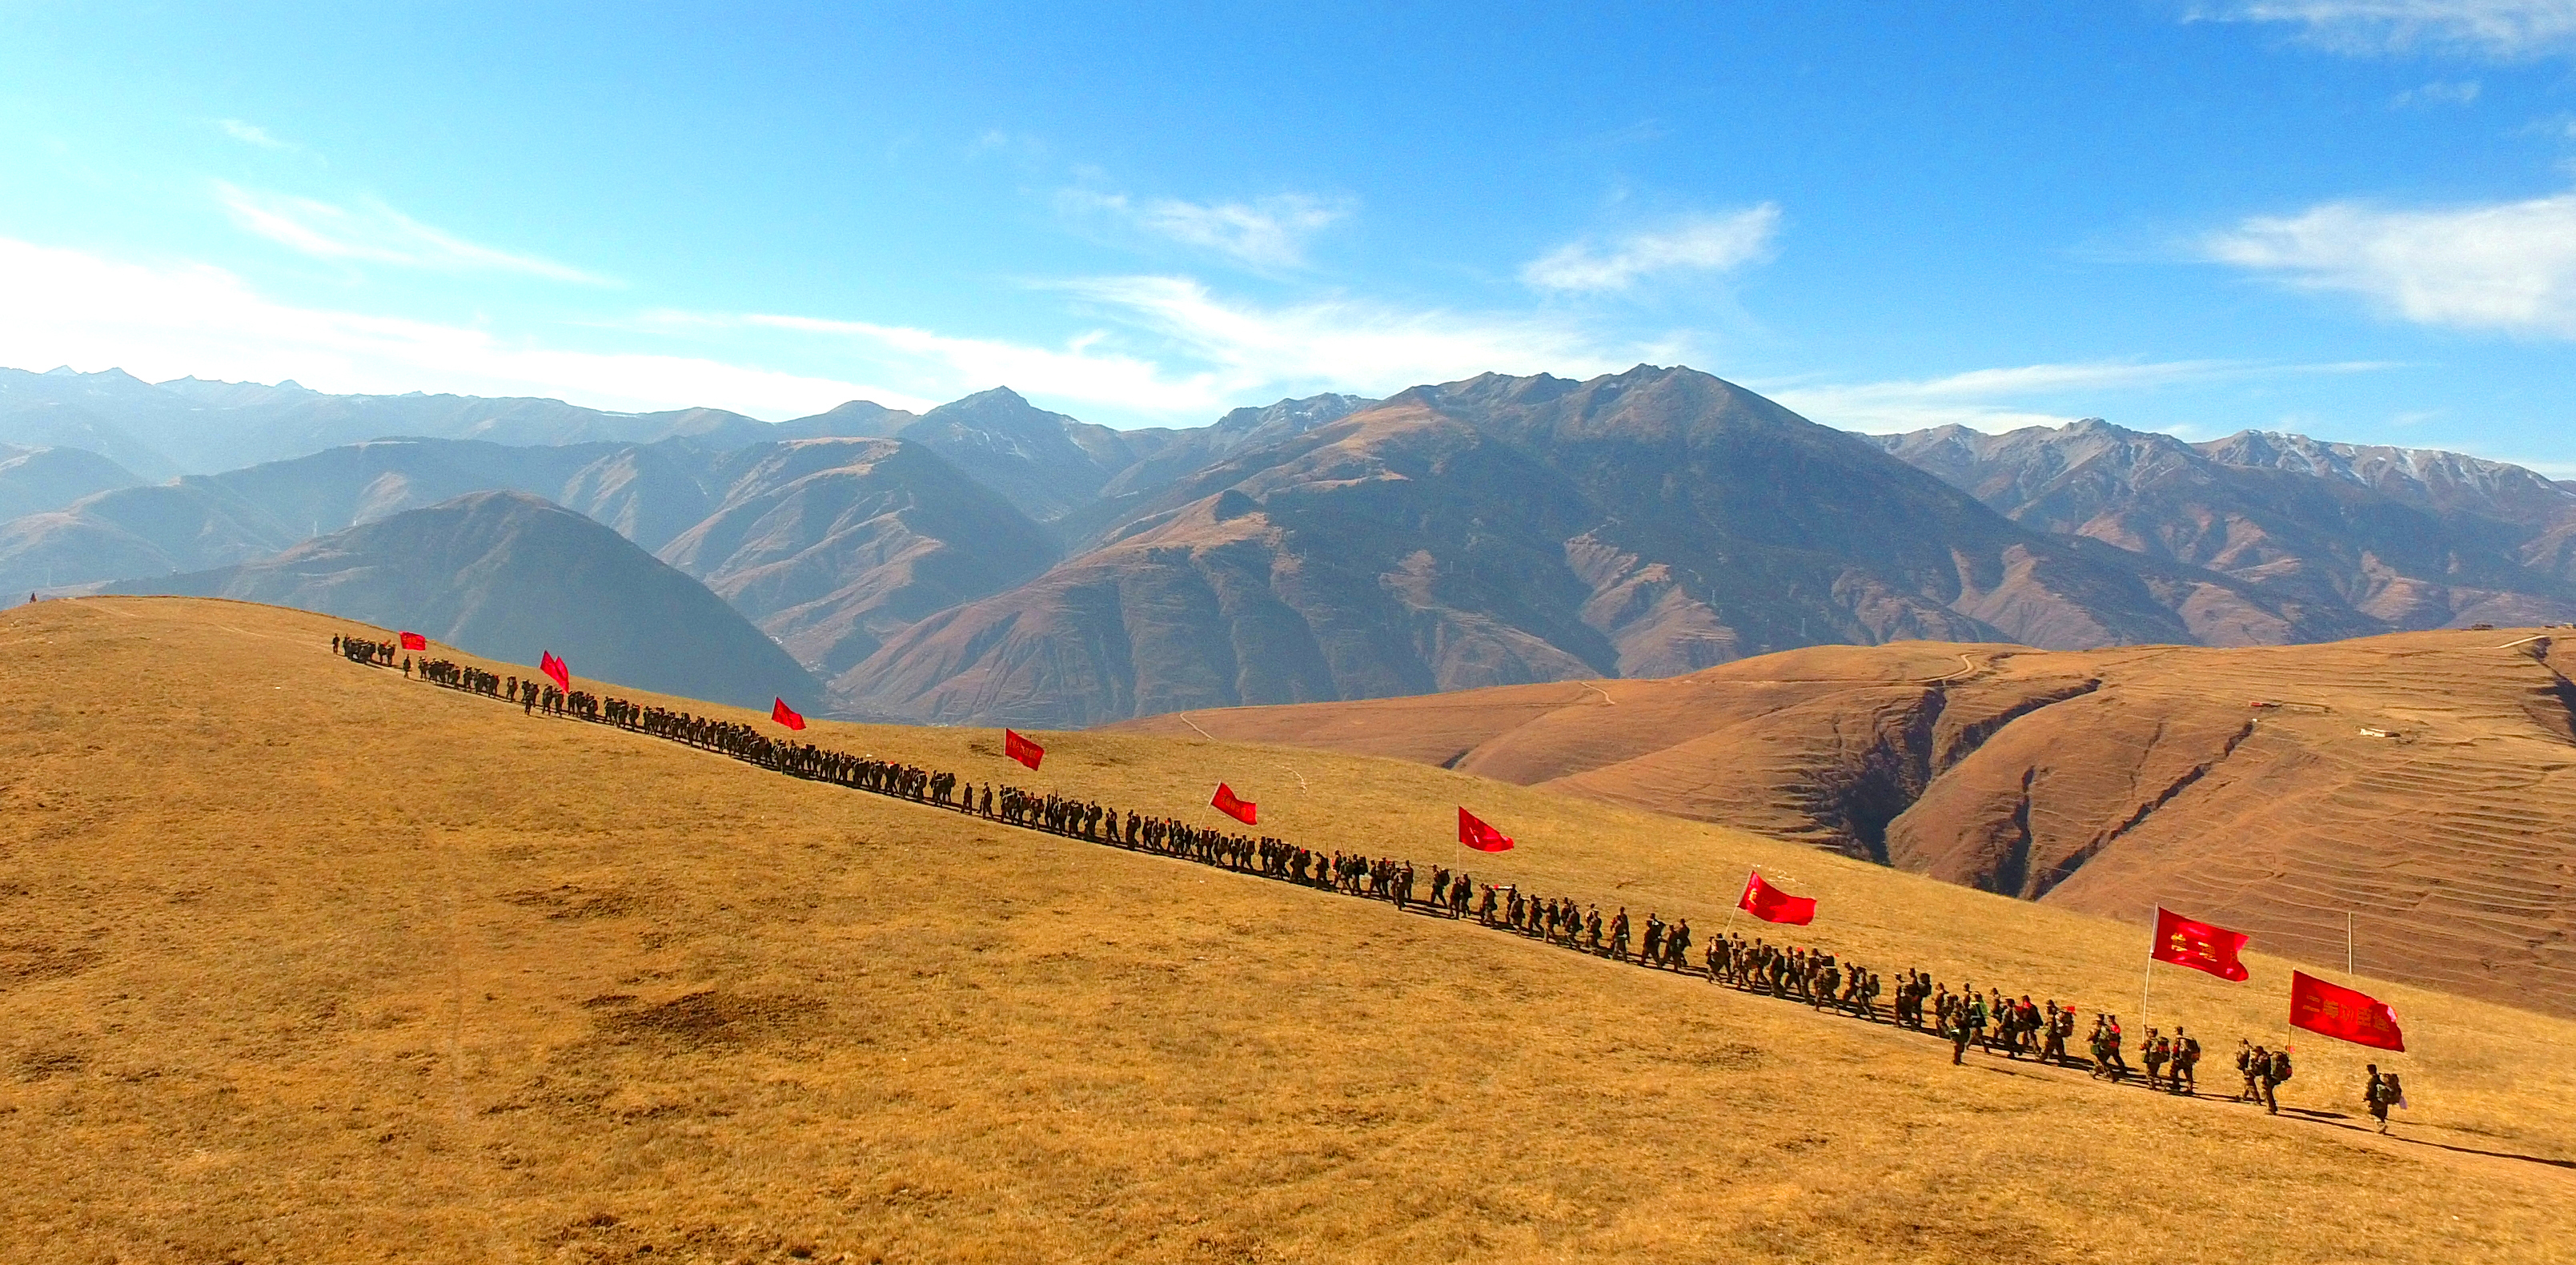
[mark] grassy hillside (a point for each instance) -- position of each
(305, 961)
(2425, 782)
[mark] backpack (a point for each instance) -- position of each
(2281, 1066)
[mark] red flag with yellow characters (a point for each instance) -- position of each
(2198, 945)
(2340, 1012)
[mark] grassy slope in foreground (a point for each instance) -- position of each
(306, 961)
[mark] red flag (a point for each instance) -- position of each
(1226, 802)
(1770, 904)
(1476, 834)
(414, 641)
(556, 671)
(2198, 945)
(1021, 749)
(785, 715)
(2337, 1011)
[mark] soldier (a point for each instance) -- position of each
(1619, 935)
(2251, 1059)
(1654, 938)
(2275, 1071)
(2154, 1051)
(1677, 943)
(1962, 1031)
(2375, 1095)
(2186, 1058)
(1592, 928)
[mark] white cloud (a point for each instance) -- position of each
(254, 134)
(1173, 350)
(376, 233)
(1698, 243)
(2505, 266)
(1997, 399)
(2501, 28)
(1265, 233)
(69, 307)
(2438, 92)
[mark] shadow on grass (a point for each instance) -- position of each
(2441, 1146)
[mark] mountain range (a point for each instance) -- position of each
(988, 560)
(509, 576)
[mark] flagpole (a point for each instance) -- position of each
(2347, 942)
(2150, 984)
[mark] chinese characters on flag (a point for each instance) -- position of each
(1770, 904)
(1021, 749)
(2340, 1012)
(1231, 805)
(1476, 834)
(2198, 945)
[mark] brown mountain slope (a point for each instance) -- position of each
(507, 573)
(833, 545)
(1505, 530)
(2423, 782)
(405, 975)
(2388, 538)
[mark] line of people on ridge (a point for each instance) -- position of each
(1992, 1021)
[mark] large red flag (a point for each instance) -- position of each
(2198, 945)
(785, 715)
(414, 641)
(1770, 904)
(1021, 749)
(1234, 806)
(2337, 1011)
(556, 671)
(1476, 834)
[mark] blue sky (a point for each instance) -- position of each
(2352, 218)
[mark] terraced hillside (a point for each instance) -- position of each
(302, 960)
(2423, 783)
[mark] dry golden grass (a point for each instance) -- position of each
(303, 961)
(2423, 781)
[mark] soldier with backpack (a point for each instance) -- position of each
(2276, 1071)
(2186, 1057)
(2378, 1094)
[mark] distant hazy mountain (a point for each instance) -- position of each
(190, 426)
(833, 545)
(1045, 463)
(510, 576)
(33, 480)
(203, 521)
(2381, 538)
(1166, 457)
(859, 419)
(1501, 530)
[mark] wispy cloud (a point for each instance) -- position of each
(2510, 29)
(1172, 349)
(1266, 233)
(373, 232)
(254, 134)
(1702, 243)
(2507, 266)
(2010, 398)
(2440, 92)
(71, 307)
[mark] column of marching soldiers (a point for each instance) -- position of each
(1992, 1021)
